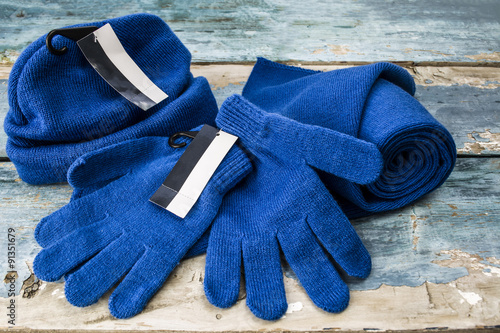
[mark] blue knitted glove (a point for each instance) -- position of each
(122, 234)
(283, 203)
(83, 180)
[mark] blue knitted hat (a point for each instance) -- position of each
(61, 108)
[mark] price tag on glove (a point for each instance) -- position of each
(189, 176)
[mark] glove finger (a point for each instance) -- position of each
(141, 283)
(118, 159)
(337, 235)
(313, 268)
(60, 258)
(264, 278)
(222, 269)
(73, 216)
(86, 285)
(342, 155)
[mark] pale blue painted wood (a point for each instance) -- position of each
(21, 207)
(4, 107)
(343, 30)
(461, 215)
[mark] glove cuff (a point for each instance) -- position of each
(235, 166)
(242, 118)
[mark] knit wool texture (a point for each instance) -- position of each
(374, 103)
(61, 108)
(283, 204)
(115, 232)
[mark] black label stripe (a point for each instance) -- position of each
(107, 69)
(163, 196)
(184, 166)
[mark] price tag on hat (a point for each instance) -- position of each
(106, 54)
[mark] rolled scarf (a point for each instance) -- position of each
(60, 108)
(374, 103)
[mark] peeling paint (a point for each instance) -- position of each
(477, 147)
(31, 286)
(414, 220)
(494, 56)
(471, 297)
(480, 77)
(341, 49)
(410, 50)
(471, 261)
(333, 49)
(8, 57)
(295, 307)
(491, 271)
(10, 276)
(494, 261)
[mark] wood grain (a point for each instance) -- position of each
(442, 253)
(344, 30)
(436, 263)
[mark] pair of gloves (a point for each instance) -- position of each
(298, 124)
(114, 232)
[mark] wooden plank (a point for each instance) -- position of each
(4, 107)
(435, 264)
(344, 30)
(464, 99)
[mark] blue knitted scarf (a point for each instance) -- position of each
(374, 103)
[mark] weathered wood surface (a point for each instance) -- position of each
(344, 30)
(435, 264)
(465, 99)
